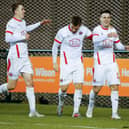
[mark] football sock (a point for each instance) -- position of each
(114, 100)
(31, 98)
(61, 96)
(77, 100)
(91, 100)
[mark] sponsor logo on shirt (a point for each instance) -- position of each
(107, 43)
(74, 42)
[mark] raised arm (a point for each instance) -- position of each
(34, 26)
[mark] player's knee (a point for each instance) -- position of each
(78, 86)
(64, 88)
(96, 89)
(11, 87)
(11, 84)
(114, 88)
(29, 82)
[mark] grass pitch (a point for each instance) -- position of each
(15, 116)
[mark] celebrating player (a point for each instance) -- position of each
(105, 67)
(18, 60)
(70, 39)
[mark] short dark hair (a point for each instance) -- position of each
(15, 6)
(105, 11)
(76, 20)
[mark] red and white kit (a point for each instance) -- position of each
(71, 66)
(18, 60)
(104, 57)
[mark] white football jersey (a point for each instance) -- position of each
(71, 43)
(104, 46)
(15, 36)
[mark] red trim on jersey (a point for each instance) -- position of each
(9, 32)
(98, 58)
(18, 53)
(17, 19)
(9, 64)
(95, 34)
(103, 28)
(82, 59)
(93, 70)
(90, 37)
(57, 41)
(113, 57)
(65, 57)
(117, 41)
(69, 27)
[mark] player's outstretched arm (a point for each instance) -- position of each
(127, 47)
(36, 25)
(45, 22)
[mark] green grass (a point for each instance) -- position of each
(15, 116)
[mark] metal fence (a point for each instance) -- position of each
(61, 11)
(45, 98)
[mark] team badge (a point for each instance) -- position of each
(80, 33)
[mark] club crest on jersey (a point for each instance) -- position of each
(80, 33)
(10, 74)
(61, 80)
(74, 42)
(23, 32)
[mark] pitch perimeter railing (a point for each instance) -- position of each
(101, 101)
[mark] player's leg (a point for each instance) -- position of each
(8, 86)
(31, 95)
(27, 73)
(115, 101)
(78, 79)
(65, 79)
(98, 81)
(77, 99)
(61, 98)
(94, 91)
(12, 71)
(114, 82)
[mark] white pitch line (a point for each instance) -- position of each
(5, 123)
(87, 127)
(90, 127)
(40, 124)
(79, 126)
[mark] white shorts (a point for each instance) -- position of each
(108, 72)
(71, 73)
(17, 66)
